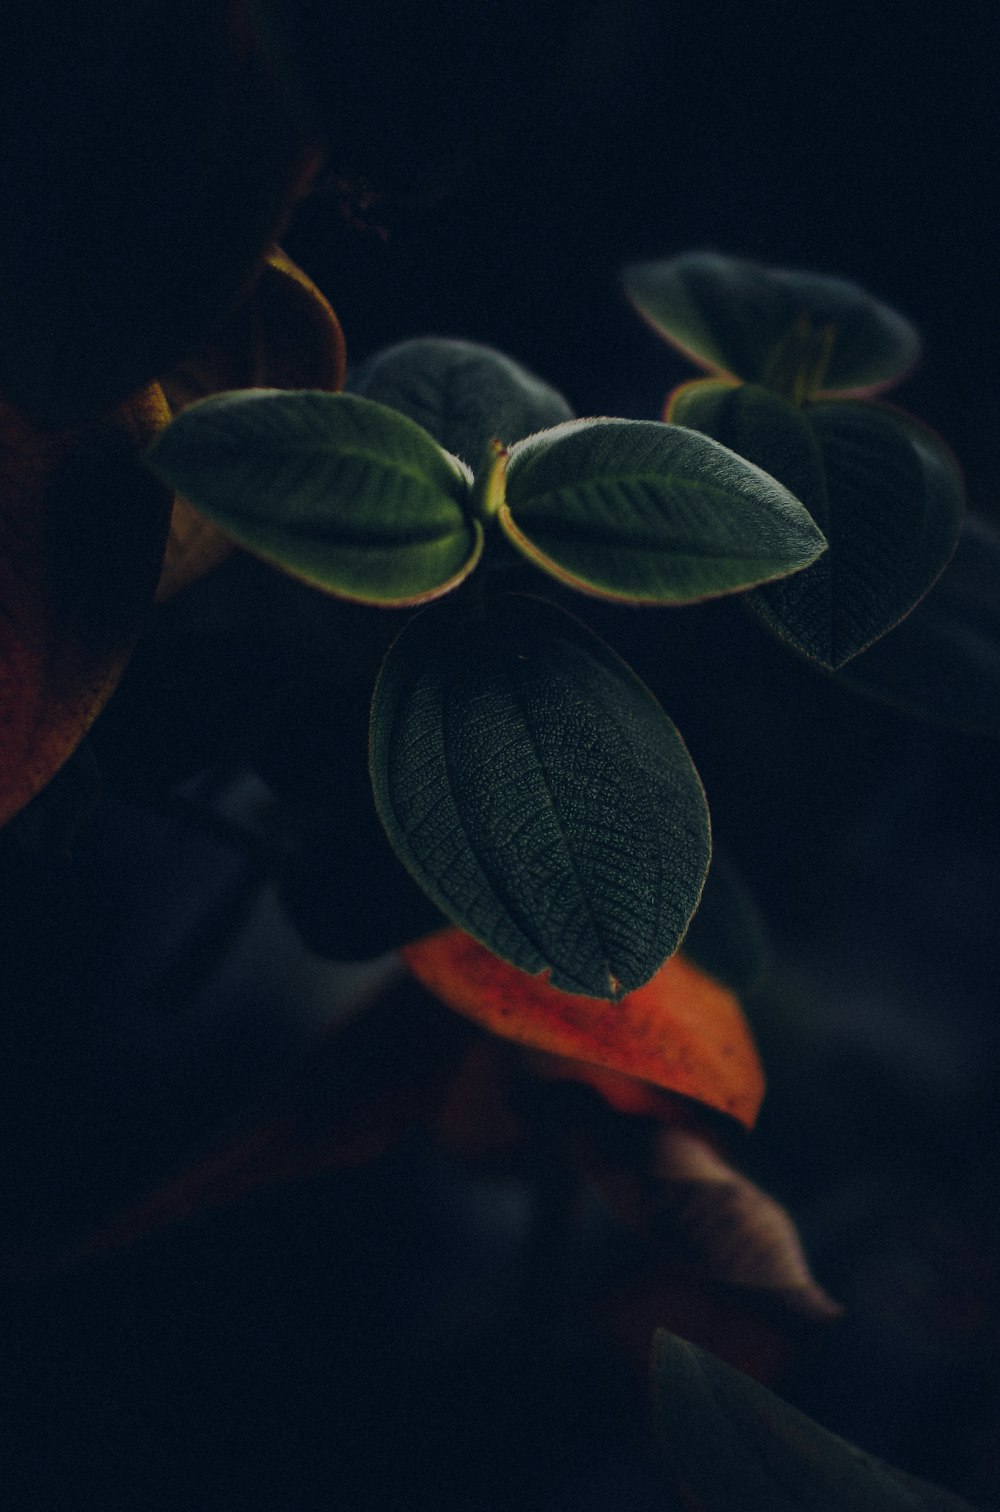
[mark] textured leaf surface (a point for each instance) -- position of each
(943, 661)
(539, 794)
(650, 513)
(681, 1031)
(337, 490)
(730, 1445)
(82, 528)
(882, 488)
(464, 394)
(732, 317)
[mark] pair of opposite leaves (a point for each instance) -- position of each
(621, 509)
(483, 730)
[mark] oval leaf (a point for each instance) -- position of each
(730, 1445)
(82, 529)
(650, 513)
(337, 490)
(681, 1031)
(882, 488)
(943, 661)
(539, 794)
(737, 318)
(464, 394)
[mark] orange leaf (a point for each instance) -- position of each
(682, 1031)
(82, 529)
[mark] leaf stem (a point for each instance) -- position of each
(490, 488)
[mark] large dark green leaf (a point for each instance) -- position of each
(337, 490)
(539, 794)
(943, 661)
(731, 1445)
(466, 395)
(739, 318)
(650, 513)
(882, 488)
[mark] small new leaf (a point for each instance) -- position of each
(539, 794)
(462, 393)
(649, 513)
(339, 491)
(738, 319)
(882, 488)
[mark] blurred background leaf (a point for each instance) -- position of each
(465, 394)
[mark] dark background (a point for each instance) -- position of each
(518, 159)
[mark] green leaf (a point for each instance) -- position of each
(539, 794)
(736, 317)
(726, 937)
(650, 513)
(337, 490)
(943, 661)
(884, 491)
(464, 394)
(730, 1445)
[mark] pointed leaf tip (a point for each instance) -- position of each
(883, 488)
(650, 513)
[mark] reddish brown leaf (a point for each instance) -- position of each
(739, 1234)
(283, 335)
(682, 1031)
(82, 530)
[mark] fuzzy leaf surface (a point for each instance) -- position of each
(336, 490)
(650, 513)
(730, 1445)
(731, 316)
(464, 394)
(539, 794)
(682, 1031)
(883, 489)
